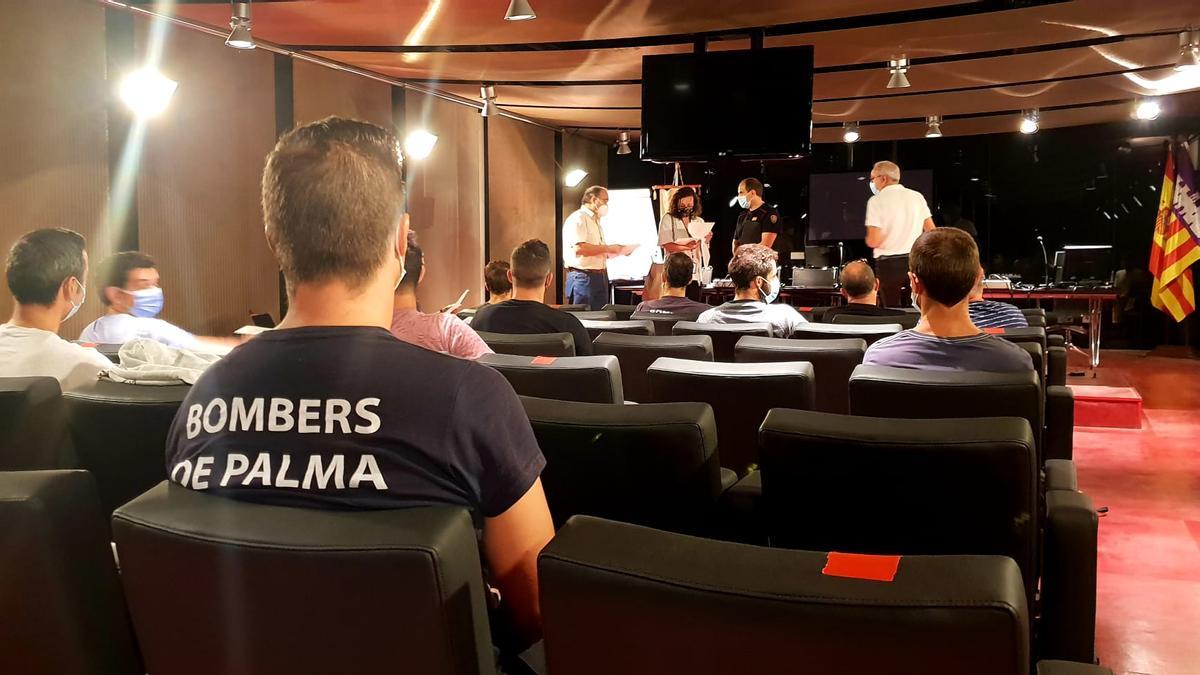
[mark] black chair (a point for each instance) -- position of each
(60, 597)
(832, 361)
(110, 351)
(623, 312)
(724, 335)
(958, 486)
(906, 320)
(662, 324)
(589, 379)
(1031, 334)
(120, 434)
(1034, 314)
(620, 598)
(533, 344)
(740, 395)
(842, 331)
(654, 464)
(635, 353)
(594, 315)
(33, 421)
(217, 585)
(595, 328)
(1056, 366)
(572, 308)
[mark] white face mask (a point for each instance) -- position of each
(770, 296)
(916, 305)
(874, 190)
(743, 201)
(82, 299)
(602, 210)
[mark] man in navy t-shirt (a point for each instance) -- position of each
(330, 410)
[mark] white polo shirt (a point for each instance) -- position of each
(900, 214)
(583, 227)
(32, 352)
(117, 329)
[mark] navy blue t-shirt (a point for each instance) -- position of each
(351, 417)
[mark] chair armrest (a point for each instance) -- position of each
(1068, 624)
(728, 479)
(741, 518)
(1060, 475)
(1056, 366)
(1056, 341)
(1070, 668)
(1060, 423)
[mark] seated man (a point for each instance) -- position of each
(943, 267)
(45, 273)
(860, 289)
(495, 279)
(129, 288)
(329, 410)
(755, 287)
(673, 303)
(531, 273)
(441, 332)
(993, 314)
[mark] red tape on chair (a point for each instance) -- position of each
(994, 331)
(859, 566)
(543, 360)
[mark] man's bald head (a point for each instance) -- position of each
(858, 281)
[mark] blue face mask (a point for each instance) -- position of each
(147, 302)
(774, 292)
(874, 190)
(743, 202)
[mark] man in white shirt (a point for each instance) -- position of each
(896, 216)
(130, 289)
(45, 273)
(585, 254)
(755, 286)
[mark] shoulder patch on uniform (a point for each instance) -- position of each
(774, 217)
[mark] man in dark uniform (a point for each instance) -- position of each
(760, 222)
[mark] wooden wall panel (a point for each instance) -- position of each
(319, 92)
(520, 187)
(53, 143)
(199, 207)
(445, 200)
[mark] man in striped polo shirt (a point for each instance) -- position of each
(993, 314)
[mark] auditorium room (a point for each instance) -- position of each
(598, 337)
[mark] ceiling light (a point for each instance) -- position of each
(850, 132)
(488, 93)
(574, 177)
(239, 36)
(418, 144)
(898, 68)
(935, 126)
(1189, 51)
(519, 10)
(623, 143)
(147, 92)
(1147, 109)
(1030, 121)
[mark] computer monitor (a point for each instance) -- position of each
(1085, 265)
(821, 255)
(1058, 258)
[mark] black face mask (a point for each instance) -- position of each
(686, 211)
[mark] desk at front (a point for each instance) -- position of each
(1095, 298)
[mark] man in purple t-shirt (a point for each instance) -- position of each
(673, 303)
(943, 267)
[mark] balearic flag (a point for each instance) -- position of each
(1175, 247)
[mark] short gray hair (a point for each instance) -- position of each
(888, 169)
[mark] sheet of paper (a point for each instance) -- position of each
(699, 229)
(251, 330)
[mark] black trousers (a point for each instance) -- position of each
(892, 272)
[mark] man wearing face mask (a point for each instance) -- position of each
(896, 216)
(585, 254)
(756, 285)
(45, 273)
(129, 288)
(759, 223)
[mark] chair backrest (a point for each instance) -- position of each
(906, 320)
(654, 464)
(620, 598)
(887, 485)
(880, 391)
(1031, 334)
(724, 335)
(590, 379)
(595, 328)
(33, 429)
(571, 308)
(594, 315)
(59, 591)
(740, 395)
(1038, 356)
(112, 352)
(635, 353)
(623, 312)
(662, 324)
(216, 585)
(532, 344)
(832, 361)
(1033, 311)
(842, 331)
(120, 432)
(1036, 320)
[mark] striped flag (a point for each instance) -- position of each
(1176, 244)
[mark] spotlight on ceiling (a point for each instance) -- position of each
(488, 93)
(574, 177)
(147, 92)
(935, 126)
(1030, 121)
(850, 132)
(1147, 109)
(418, 144)
(898, 68)
(623, 143)
(1189, 51)
(519, 10)
(239, 23)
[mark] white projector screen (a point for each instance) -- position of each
(630, 220)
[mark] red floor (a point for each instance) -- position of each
(1148, 592)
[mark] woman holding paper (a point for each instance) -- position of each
(682, 230)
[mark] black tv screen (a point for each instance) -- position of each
(753, 104)
(837, 202)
